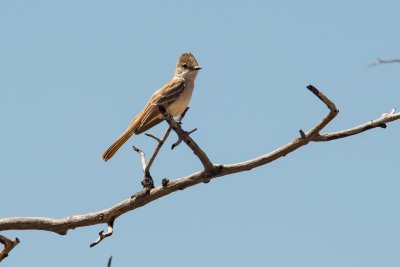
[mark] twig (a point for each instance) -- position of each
(8, 246)
(378, 123)
(177, 143)
(148, 180)
(142, 157)
(154, 137)
(103, 234)
(381, 61)
(333, 111)
(162, 141)
(179, 120)
(158, 147)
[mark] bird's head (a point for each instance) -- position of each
(187, 66)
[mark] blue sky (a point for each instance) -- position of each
(74, 74)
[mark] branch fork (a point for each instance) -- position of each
(8, 246)
(147, 181)
(185, 136)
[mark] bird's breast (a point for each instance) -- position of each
(179, 105)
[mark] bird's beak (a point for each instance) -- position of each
(197, 68)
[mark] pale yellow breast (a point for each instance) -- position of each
(179, 105)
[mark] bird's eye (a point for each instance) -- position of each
(185, 65)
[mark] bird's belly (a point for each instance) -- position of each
(179, 105)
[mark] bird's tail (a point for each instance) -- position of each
(119, 142)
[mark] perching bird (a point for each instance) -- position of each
(174, 96)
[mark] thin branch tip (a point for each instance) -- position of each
(142, 157)
(154, 137)
(179, 141)
(379, 61)
(313, 89)
(183, 114)
(323, 98)
(102, 234)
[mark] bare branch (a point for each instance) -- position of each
(146, 168)
(381, 61)
(304, 139)
(102, 234)
(210, 171)
(154, 137)
(179, 120)
(160, 144)
(147, 179)
(333, 111)
(207, 164)
(142, 157)
(177, 143)
(378, 123)
(8, 246)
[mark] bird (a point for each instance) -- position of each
(175, 96)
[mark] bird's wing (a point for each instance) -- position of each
(170, 92)
(163, 97)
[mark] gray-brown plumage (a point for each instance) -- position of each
(174, 96)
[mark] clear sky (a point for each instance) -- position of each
(74, 73)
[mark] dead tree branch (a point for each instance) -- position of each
(378, 123)
(210, 171)
(102, 234)
(162, 141)
(207, 164)
(382, 61)
(8, 246)
(147, 181)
